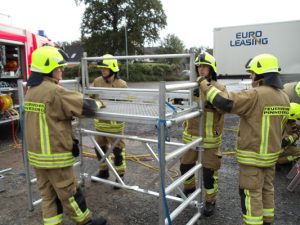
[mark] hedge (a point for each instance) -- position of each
(136, 72)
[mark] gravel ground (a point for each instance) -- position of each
(125, 207)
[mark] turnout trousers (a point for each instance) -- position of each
(211, 164)
(58, 190)
(257, 194)
(118, 152)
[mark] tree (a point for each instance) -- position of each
(197, 50)
(104, 22)
(171, 44)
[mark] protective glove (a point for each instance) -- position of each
(100, 104)
(296, 131)
(196, 92)
(295, 128)
(285, 142)
(75, 149)
(178, 101)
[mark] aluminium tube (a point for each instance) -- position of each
(141, 190)
(24, 152)
(182, 118)
(161, 150)
(200, 150)
(162, 56)
(194, 219)
(129, 137)
(183, 205)
(183, 149)
(174, 87)
(61, 82)
(177, 182)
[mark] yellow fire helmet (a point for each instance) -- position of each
(207, 59)
(47, 58)
(111, 64)
(263, 63)
(297, 89)
(294, 111)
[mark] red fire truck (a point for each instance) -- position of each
(16, 47)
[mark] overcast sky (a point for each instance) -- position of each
(192, 21)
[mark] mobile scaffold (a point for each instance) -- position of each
(144, 106)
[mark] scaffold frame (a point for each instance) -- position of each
(163, 115)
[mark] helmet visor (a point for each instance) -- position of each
(64, 55)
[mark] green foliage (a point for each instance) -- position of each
(137, 72)
(171, 45)
(104, 22)
(197, 50)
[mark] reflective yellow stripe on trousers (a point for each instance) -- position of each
(53, 220)
(80, 215)
(248, 218)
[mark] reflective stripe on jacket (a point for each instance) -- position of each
(109, 126)
(213, 124)
(49, 110)
(263, 111)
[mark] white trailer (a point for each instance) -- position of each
(234, 46)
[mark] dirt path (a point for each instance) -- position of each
(125, 207)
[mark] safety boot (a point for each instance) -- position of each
(209, 209)
(104, 174)
(122, 177)
(97, 221)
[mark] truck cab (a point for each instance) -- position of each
(16, 47)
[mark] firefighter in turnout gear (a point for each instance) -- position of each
(290, 151)
(213, 120)
(262, 120)
(110, 79)
(293, 91)
(48, 113)
(291, 134)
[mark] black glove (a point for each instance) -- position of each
(178, 101)
(80, 81)
(285, 142)
(196, 92)
(75, 149)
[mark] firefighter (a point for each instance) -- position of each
(49, 111)
(262, 119)
(214, 120)
(291, 134)
(293, 91)
(110, 79)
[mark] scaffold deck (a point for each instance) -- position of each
(145, 113)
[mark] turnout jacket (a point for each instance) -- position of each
(104, 125)
(263, 112)
(213, 123)
(290, 90)
(49, 111)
